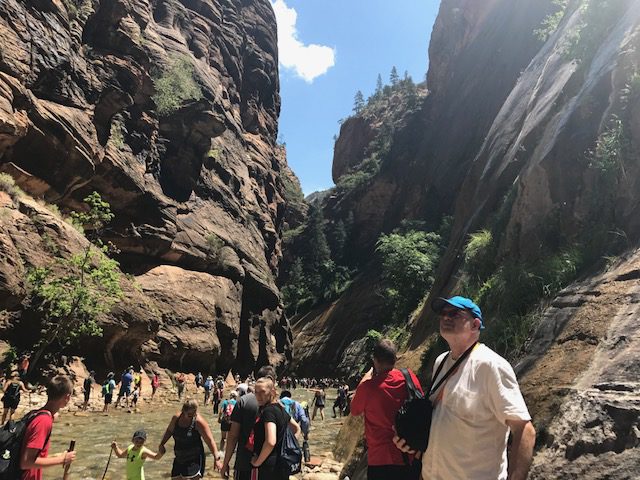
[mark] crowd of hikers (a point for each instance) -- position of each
(251, 414)
(410, 433)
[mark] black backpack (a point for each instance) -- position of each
(11, 437)
(290, 455)
(413, 420)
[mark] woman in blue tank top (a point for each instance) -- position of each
(188, 430)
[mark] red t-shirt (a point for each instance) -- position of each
(35, 437)
(380, 399)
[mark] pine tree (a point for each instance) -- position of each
(393, 77)
(317, 251)
(379, 85)
(358, 102)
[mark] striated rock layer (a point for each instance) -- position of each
(196, 188)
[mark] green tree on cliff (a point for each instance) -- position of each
(394, 78)
(317, 252)
(71, 293)
(379, 86)
(358, 102)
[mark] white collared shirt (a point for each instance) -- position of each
(468, 431)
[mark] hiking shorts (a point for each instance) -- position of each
(108, 398)
(188, 469)
(398, 472)
(11, 402)
(225, 426)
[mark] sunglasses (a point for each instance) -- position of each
(452, 313)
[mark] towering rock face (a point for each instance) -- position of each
(169, 110)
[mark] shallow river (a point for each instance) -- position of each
(95, 431)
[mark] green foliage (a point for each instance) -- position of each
(608, 156)
(8, 185)
(214, 245)
(292, 190)
(598, 16)
(551, 22)
(358, 102)
(296, 292)
(394, 78)
(479, 254)
(175, 85)
(408, 263)
(359, 176)
(213, 153)
(9, 359)
(116, 133)
(78, 10)
(71, 293)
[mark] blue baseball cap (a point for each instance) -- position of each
(463, 303)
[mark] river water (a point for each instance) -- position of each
(94, 432)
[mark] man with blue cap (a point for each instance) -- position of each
(475, 407)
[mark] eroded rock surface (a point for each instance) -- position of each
(197, 186)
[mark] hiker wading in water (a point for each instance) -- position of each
(188, 430)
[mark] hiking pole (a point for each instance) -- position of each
(108, 462)
(72, 446)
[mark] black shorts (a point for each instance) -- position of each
(188, 469)
(11, 402)
(108, 398)
(397, 472)
(225, 426)
(86, 396)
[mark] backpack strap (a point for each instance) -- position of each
(435, 386)
(412, 390)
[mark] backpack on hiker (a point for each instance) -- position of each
(106, 388)
(290, 406)
(413, 420)
(11, 437)
(289, 459)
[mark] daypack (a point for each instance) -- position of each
(289, 406)
(11, 437)
(289, 459)
(106, 388)
(413, 420)
(13, 391)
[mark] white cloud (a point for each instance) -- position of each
(307, 61)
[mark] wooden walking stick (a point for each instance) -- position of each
(72, 446)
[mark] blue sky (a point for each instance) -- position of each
(329, 49)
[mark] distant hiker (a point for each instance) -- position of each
(296, 410)
(341, 400)
(35, 446)
(180, 383)
(224, 417)
(318, 402)
(137, 381)
(155, 382)
(269, 431)
(216, 399)
(243, 418)
(108, 387)
(136, 454)
(198, 380)
(11, 398)
(135, 396)
(188, 430)
(477, 408)
(125, 386)
(379, 396)
(208, 386)
(23, 367)
(87, 385)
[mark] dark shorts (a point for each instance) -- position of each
(124, 392)
(86, 396)
(108, 398)
(225, 426)
(11, 402)
(189, 468)
(397, 472)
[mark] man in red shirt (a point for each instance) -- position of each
(35, 445)
(380, 394)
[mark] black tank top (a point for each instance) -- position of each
(188, 442)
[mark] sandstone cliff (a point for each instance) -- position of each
(534, 137)
(169, 110)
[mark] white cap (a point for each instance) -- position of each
(242, 389)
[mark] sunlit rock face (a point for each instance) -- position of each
(191, 170)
